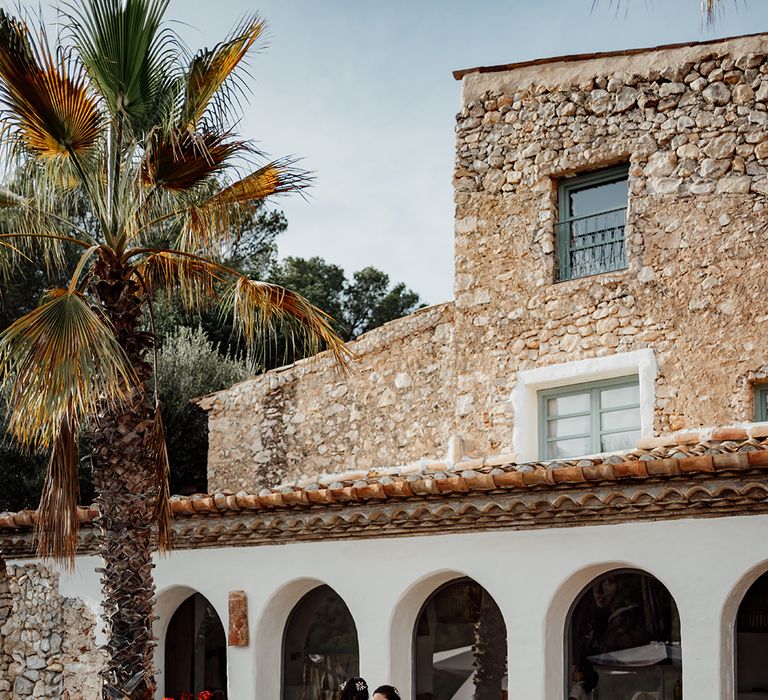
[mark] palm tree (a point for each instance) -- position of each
(114, 114)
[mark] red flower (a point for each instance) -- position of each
(205, 695)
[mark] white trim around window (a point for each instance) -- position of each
(524, 399)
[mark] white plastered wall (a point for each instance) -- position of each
(707, 565)
(524, 399)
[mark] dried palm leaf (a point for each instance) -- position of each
(181, 161)
(163, 515)
(211, 68)
(59, 362)
(210, 225)
(49, 106)
(57, 522)
(259, 308)
(191, 279)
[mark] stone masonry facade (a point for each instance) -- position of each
(49, 648)
(310, 418)
(691, 124)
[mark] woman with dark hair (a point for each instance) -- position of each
(354, 689)
(386, 692)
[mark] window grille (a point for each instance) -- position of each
(590, 229)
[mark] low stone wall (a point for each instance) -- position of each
(394, 407)
(48, 640)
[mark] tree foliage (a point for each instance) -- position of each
(190, 365)
(358, 304)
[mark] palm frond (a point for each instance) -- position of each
(259, 309)
(130, 57)
(57, 522)
(59, 362)
(209, 225)
(191, 279)
(49, 107)
(163, 516)
(180, 161)
(211, 68)
(277, 177)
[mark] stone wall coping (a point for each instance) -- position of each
(568, 58)
(369, 342)
(580, 68)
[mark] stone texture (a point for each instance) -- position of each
(310, 419)
(694, 244)
(47, 640)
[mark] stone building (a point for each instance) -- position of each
(555, 482)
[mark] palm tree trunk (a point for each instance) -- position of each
(490, 650)
(124, 477)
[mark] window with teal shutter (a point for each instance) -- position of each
(590, 418)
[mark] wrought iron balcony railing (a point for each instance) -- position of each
(590, 245)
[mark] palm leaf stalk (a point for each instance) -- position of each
(117, 116)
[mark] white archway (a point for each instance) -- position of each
(557, 618)
(167, 602)
(403, 620)
(270, 629)
(728, 626)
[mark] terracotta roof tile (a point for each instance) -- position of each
(573, 486)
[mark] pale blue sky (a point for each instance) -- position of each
(362, 90)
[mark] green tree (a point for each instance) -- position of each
(358, 305)
(114, 116)
(190, 365)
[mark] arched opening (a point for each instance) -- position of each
(195, 652)
(460, 645)
(752, 642)
(320, 647)
(623, 640)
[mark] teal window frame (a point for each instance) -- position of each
(761, 402)
(566, 223)
(596, 433)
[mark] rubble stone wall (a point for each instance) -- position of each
(48, 640)
(395, 406)
(691, 124)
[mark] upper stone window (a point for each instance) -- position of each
(589, 418)
(590, 228)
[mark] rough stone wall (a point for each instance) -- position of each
(394, 408)
(6, 605)
(48, 639)
(693, 126)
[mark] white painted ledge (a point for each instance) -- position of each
(525, 409)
